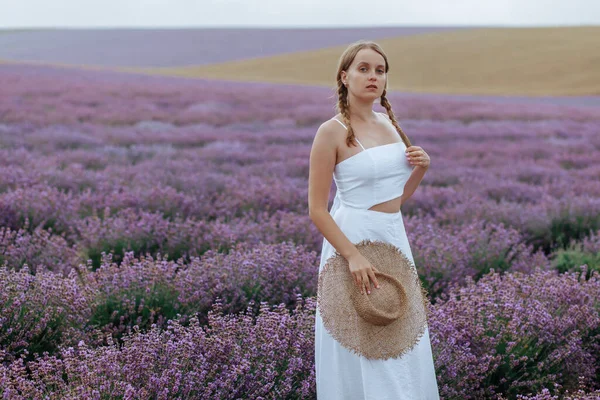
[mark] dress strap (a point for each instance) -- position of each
(340, 122)
(363, 147)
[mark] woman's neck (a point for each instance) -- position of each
(362, 112)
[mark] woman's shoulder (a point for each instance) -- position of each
(332, 131)
(334, 123)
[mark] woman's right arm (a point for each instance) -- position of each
(322, 163)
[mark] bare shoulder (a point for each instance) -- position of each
(330, 135)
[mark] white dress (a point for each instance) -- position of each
(372, 176)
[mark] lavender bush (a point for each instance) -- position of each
(39, 250)
(273, 273)
(145, 291)
(38, 312)
(448, 255)
(517, 333)
(506, 335)
(586, 252)
(235, 356)
(143, 232)
(545, 394)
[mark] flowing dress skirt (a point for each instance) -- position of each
(343, 375)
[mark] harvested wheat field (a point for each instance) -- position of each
(489, 61)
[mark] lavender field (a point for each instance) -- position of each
(155, 240)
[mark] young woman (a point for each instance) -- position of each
(375, 169)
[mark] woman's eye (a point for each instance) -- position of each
(365, 68)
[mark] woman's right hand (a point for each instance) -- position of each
(362, 270)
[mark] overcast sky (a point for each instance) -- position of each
(295, 13)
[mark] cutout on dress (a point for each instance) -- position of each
(380, 207)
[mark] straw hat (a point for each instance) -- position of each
(387, 323)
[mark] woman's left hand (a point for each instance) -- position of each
(416, 156)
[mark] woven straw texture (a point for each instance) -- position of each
(395, 315)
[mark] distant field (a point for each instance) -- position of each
(3, 31)
(180, 47)
(18, 31)
(491, 61)
(454, 61)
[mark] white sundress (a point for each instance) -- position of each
(375, 175)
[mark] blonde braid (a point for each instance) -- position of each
(385, 103)
(343, 109)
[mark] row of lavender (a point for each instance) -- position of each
(214, 176)
(507, 334)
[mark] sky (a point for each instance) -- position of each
(295, 13)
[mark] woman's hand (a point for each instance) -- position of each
(362, 270)
(416, 156)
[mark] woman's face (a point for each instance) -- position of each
(367, 69)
